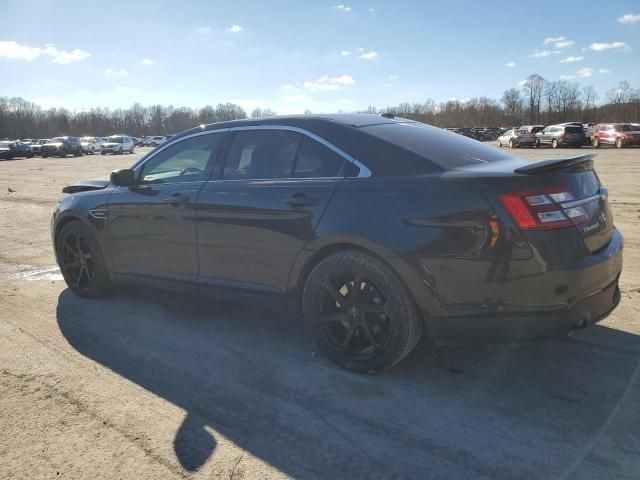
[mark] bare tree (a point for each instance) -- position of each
(534, 87)
(514, 105)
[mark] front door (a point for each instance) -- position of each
(255, 219)
(152, 225)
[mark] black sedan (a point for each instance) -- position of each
(9, 150)
(379, 229)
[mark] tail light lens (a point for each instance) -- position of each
(543, 210)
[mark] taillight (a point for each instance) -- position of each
(543, 209)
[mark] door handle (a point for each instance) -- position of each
(301, 200)
(177, 199)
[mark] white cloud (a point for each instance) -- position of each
(109, 72)
(372, 55)
(601, 47)
(393, 77)
(540, 53)
(522, 83)
(571, 59)
(344, 101)
(372, 10)
(326, 82)
(585, 72)
(510, 64)
(629, 18)
(288, 87)
(558, 42)
(234, 28)
(604, 71)
(567, 77)
(203, 30)
(388, 85)
(345, 53)
(146, 61)
(15, 51)
(343, 8)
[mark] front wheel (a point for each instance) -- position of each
(81, 261)
(499, 144)
(359, 313)
(595, 143)
(511, 144)
(619, 143)
(554, 143)
(537, 144)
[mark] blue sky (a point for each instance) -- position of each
(318, 55)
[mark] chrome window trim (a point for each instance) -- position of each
(363, 172)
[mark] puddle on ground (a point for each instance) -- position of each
(29, 273)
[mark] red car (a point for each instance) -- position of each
(618, 134)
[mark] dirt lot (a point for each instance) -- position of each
(130, 387)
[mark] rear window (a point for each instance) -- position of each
(624, 128)
(444, 149)
(573, 129)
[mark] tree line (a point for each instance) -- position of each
(539, 101)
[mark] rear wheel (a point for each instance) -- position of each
(619, 143)
(595, 142)
(537, 143)
(359, 313)
(81, 261)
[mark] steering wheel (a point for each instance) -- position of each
(191, 170)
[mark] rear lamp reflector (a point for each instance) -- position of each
(540, 210)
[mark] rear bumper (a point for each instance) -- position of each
(593, 295)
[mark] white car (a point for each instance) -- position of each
(91, 145)
(153, 141)
(117, 144)
(517, 137)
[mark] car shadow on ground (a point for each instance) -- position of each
(531, 411)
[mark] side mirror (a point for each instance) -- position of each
(123, 178)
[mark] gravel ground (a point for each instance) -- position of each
(134, 387)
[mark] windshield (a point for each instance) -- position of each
(115, 139)
(445, 149)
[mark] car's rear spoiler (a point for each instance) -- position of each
(556, 164)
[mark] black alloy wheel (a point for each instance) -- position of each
(359, 313)
(81, 261)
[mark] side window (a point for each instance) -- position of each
(184, 161)
(316, 160)
(261, 154)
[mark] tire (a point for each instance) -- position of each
(537, 144)
(44, 156)
(92, 151)
(380, 325)
(86, 272)
(77, 153)
(511, 144)
(30, 155)
(619, 143)
(595, 143)
(154, 145)
(499, 144)
(554, 143)
(103, 152)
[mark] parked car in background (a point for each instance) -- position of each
(511, 249)
(138, 141)
(36, 145)
(117, 144)
(619, 134)
(561, 136)
(154, 141)
(91, 145)
(11, 149)
(516, 137)
(532, 128)
(61, 147)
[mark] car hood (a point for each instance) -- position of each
(86, 185)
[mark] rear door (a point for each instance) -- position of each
(257, 216)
